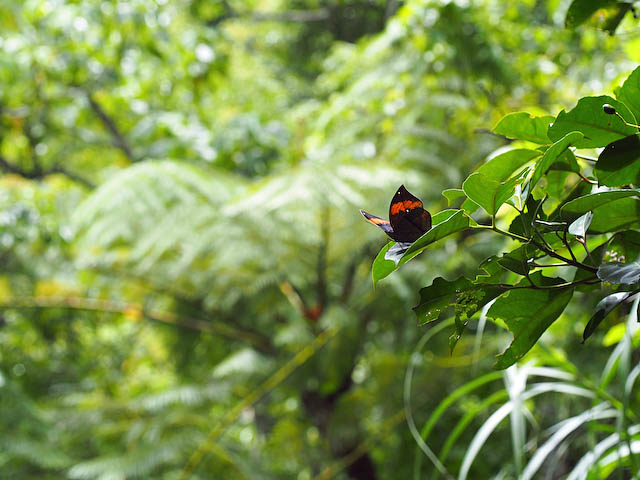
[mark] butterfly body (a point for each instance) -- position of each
(408, 220)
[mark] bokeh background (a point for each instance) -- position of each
(185, 286)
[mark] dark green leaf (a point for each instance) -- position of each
(604, 308)
(446, 223)
(615, 216)
(516, 260)
(521, 225)
(581, 205)
(466, 296)
(490, 271)
(619, 163)
(527, 314)
(598, 128)
(603, 14)
(523, 126)
(629, 93)
(502, 166)
(581, 10)
(553, 153)
(437, 297)
(621, 273)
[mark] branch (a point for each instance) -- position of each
(39, 174)
(288, 16)
(136, 311)
(292, 16)
(118, 138)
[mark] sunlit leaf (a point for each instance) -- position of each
(599, 129)
(502, 166)
(553, 153)
(629, 93)
(528, 313)
(524, 126)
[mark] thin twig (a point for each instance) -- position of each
(118, 138)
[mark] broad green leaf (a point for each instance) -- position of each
(437, 297)
(619, 273)
(490, 271)
(516, 260)
(599, 129)
(615, 216)
(629, 93)
(446, 223)
(523, 126)
(604, 308)
(566, 162)
(553, 153)
(581, 205)
(619, 163)
(603, 14)
(581, 10)
(488, 193)
(527, 314)
(452, 194)
(580, 226)
(502, 166)
(466, 296)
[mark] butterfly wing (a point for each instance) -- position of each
(385, 225)
(407, 216)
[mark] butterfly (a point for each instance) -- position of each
(408, 220)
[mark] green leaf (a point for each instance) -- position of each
(382, 267)
(452, 194)
(619, 273)
(599, 129)
(553, 153)
(527, 314)
(619, 163)
(604, 308)
(516, 260)
(446, 223)
(502, 166)
(490, 271)
(629, 93)
(615, 216)
(437, 297)
(488, 193)
(566, 162)
(523, 126)
(603, 14)
(581, 205)
(612, 211)
(581, 10)
(466, 296)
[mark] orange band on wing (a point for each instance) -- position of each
(402, 206)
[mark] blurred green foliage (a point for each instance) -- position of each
(184, 275)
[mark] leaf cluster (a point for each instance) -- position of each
(570, 214)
